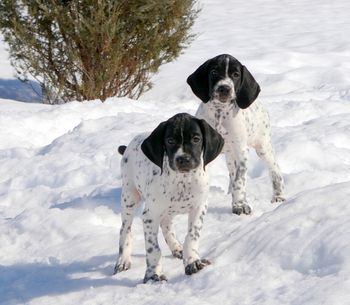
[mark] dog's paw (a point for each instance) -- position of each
(121, 265)
(241, 209)
(277, 199)
(196, 266)
(178, 254)
(154, 278)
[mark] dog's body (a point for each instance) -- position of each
(227, 89)
(166, 170)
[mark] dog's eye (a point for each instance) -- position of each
(170, 141)
(196, 139)
(213, 73)
(235, 74)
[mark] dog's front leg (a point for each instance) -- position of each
(167, 227)
(237, 166)
(191, 258)
(153, 253)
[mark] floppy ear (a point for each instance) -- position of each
(213, 142)
(153, 146)
(248, 91)
(199, 82)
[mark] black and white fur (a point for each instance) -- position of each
(166, 169)
(228, 90)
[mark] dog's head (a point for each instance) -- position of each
(185, 140)
(223, 78)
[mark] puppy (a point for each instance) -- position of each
(166, 169)
(228, 92)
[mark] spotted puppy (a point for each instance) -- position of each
(228, 90)
(167, 170)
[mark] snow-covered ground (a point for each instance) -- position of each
(60, 175)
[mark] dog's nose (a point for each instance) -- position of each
(183, 160)
(224, 90)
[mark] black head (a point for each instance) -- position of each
(184, 139)
(225, 79)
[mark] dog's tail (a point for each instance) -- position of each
(121, 149)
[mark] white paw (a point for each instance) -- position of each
(122, 264)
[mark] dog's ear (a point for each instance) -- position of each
(213, 142)
(248, 90)
(153, 145)
(199, 82)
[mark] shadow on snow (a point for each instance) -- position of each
(110, 199)
(24, 282)
(17, 90)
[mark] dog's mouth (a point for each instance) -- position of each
(183, 171)
(183, 164)
(220, 98)
(223, 99)
(184, 168)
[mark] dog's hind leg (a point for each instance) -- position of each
(130, 200)
(167, 228)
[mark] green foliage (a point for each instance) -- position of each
(94, 49)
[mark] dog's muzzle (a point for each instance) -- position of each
(224, 93)
(184, 163)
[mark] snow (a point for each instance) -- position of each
(60, 175)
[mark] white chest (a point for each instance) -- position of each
(174, 193)
(228, 120)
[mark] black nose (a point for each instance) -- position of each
(224, 90)
(183, 160)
